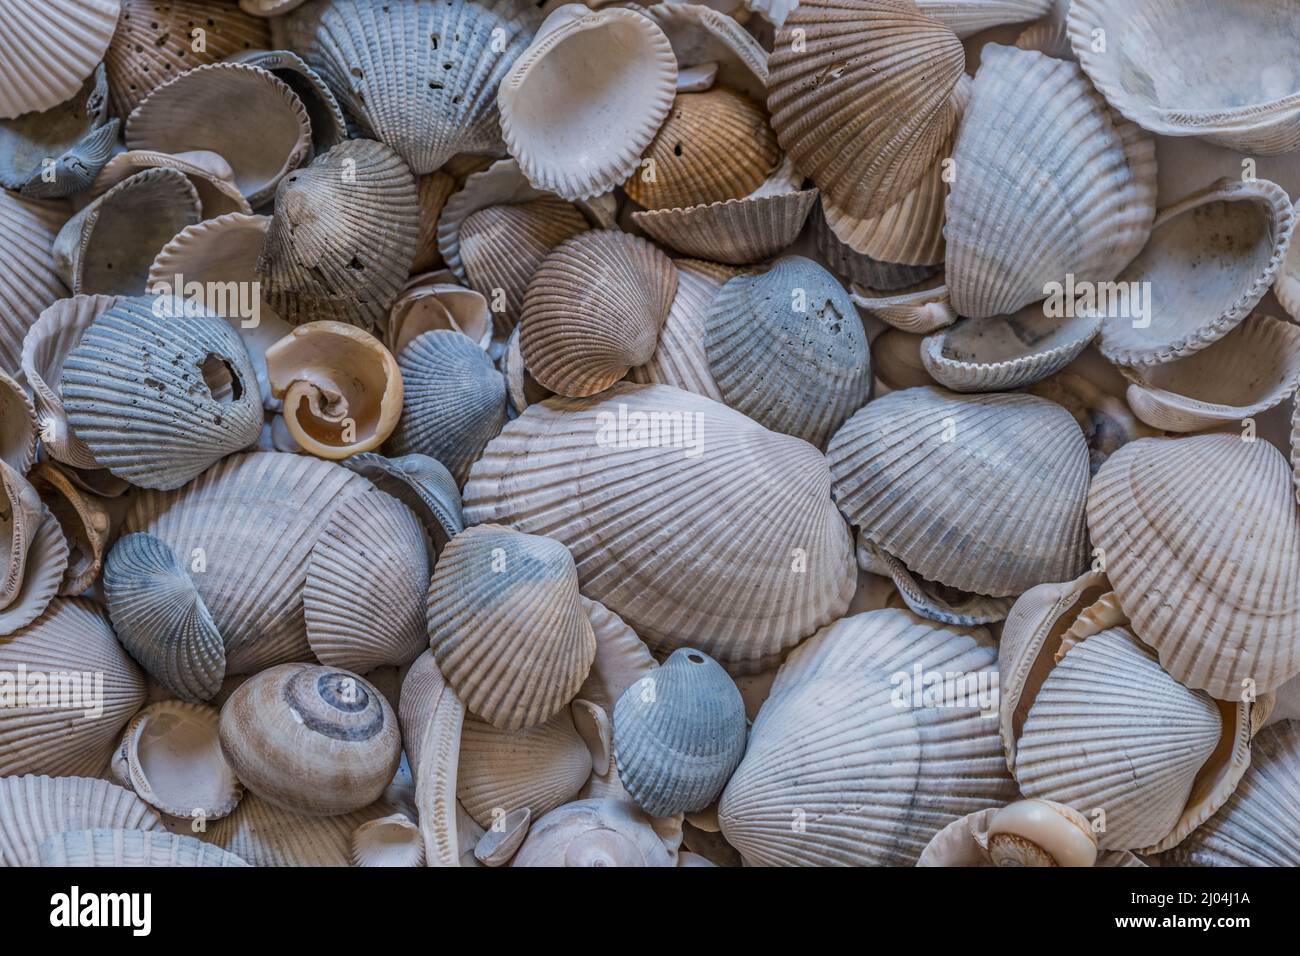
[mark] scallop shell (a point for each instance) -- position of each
(610, 66)
(896, 360)
(316, 740)
(1211, 257)
(421, 483)
(573, 470)
(428, 304)
(455, 400)
(267, 835)
(84, 521)
(496, 847)
(79, 687)
(1049, 184)
(49, 47)
(843, 768)
(43, 569)
(863, 102)
(680, 359)
(18, 425)
(968, 17)
(858, 268)
(1216, 515)
(734, 231)
(432, 717)
(208, 172)
(787, 348)
(35, 808)
(593, 833)
(328, 127)
(130, 848)
(594, 310)
(159, 616)
(513, 597)
(388, 841)
(343, 236)
(158, 398)
(995, 509)
(29, 279)
(920, 310)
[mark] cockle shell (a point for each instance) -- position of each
(208, 172)
(514, 598)
(922, 309)
(431, 717)
(35, 808)
(21, 513)
(1210, 259)
(264, 834)
(42, 573)
(429, 303)
(1049, 34)
(328, 127)
(316, 740)
(18, 425)
(421, 483)
(30, 279)
(931, 600)
(968, 17)
(435, 189)
(680, 358)
(857, 268)
(748, 608)
(49, 47)
(1051, 184)
(1107, 421)
(160, 618)
(788, 349)
(158, 398)
(79, 689)
(842, 765)
(130, 848)
(521, 387)
(593, 833)
(388, 841)
(622, 658)
(84, 521)
(1217, 516)
(703, 36)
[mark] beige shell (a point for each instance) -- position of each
(211, 176)
(968, 17)
(84, 521)
(734, 231)
(35, 808)
(848, 762)
(328, 127)
(49, 47)
(1052, 185)
(431, 717)
(434, 189)
(680, 359)
(1049, 34)
(896, 360)
(594, 310)
(1027, 833)
(18, 425)
(130, 848)
(267, 835)
(30, 279)
(593, 833)
(388, 841)
(497, 846)
(1193, 508)
(1210, 259)
(429, 303)
(746, 608)
(703, 36)
(921, 309)
(514, 598)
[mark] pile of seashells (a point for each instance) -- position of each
(470, 432)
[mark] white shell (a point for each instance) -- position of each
(35, 808)
(121, 848)
(48, 48)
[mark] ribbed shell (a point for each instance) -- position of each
(863, 102)
(857, 268)
(506, 627)
(388, 841)
(366, 579)
(788, 349)
(622, 658)
(1048, 183)
(30, 279)
(837, 773)
(593, 833)
(208, 172)
(21, 513)
(1202, 544)
(678, 734)
(160, 618)
(432, 717)
(56, 736)
(434, 189)
(84, 520)
(18, 425)
(343, 236)
(701, 35)
(421, 483)
(654, 530)
(996, 509)
(43, 572)
(328, 127)
(919, 310)
(968, 17)
(734, 231)
(48, 47)
(266, 835)
(455, 400)
(130, 848)
(680, 359)
(158, 399)
(35, 808)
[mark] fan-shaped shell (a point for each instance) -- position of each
(421, 483)
(734, 231)
(703, 36)
(267, 835)
(622, 658)
(593, 833)
(208, 172)
(680, 359)
(18, 425)
(130, 848)
(858, 268)
(84, 521)
(968, 17)
(432, 717)
(388, 841)
(328, 127)
(35, 808)
(497, 846)
(49, 47)
(30, 279)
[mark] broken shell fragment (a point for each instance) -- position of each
(593, 833)
(40, 807)
(208, 172)
(388, 841)
(84, 521)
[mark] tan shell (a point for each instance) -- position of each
(84, 520)
(680, 359)
(388, 841)
(130, 848)
(35, 808)
(267, 835)
(49, 48)
(430, 303)
(734, 231)
(431, 717)
(593, 833)
(922, 309)
(1027, 833)
(434, 189)
(30, 279)
(208, 172)
(896, 360)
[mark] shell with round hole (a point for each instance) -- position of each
(130, 848)
(49, 47)
(593, 833)
(35, 808)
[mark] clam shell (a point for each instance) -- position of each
(842, 769)
(67, 727)
(160, 618)
(863, 102)
(158, 398)
(920, 310)
(734, 231)
(267, 835)
(703, 36)
(84, 522)
(316, 740)
(49, 47)
(432, 717)
(788, 349)
(594, 310)
(593, 833)
(1025, 833)
(35, 808)
(130, 848)
(678, 734)
(1216, 515)
(896, 360)
(995, 510)
(422, 484)
(388, 841)
(569, 470)
(615, 73)
(29, 279)
(496, 847)
(455, 400)
(680, 359)
(514, 598)
(968, 17)
(43, 570)
(18, 425)
(428, 304)
(434, 189)
(1049, 183)
(929, 599)
(520, 385)
(328, 127)
(861, 269)
(208, 172)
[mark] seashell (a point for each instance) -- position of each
(427, 304)
(58, 152)
(1027, 833)
(537, 768)
(343, 236)
(157, 398)
(388, 841)
(968, 17)
(160, 618)
(133, 848)
(864, 101)
(520, 385)
(44, 564)
(83, 520)
(1054, 187)
(282, 142)
(328, 127)
(455, 400)
(1012, 463)
(622, 659)
(861, 269)
(108, 246)
(1213, 256)
(1204, 504)
(841, 748)
(788, 349)
(1006, 351)
(21, 513)
(435, 189)
(208, 172)
(896, 360)
(1049, 35)
(422, 484)
(170, 755)
(316, 740)
(680, 359)
(920, 310)
(594, 310)
(545, 643)
(1107, 421)
(18, 425)
(593, 833)
(269, 8)
(663, 592)
(67, 727)
(931, 600)
(267, 835)
(596, 729)
(366, 582)
(49, 47)
(431, 718)
(29, 280)
(702, 35)
(679, 734)
(496, 847)
(35, 808)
